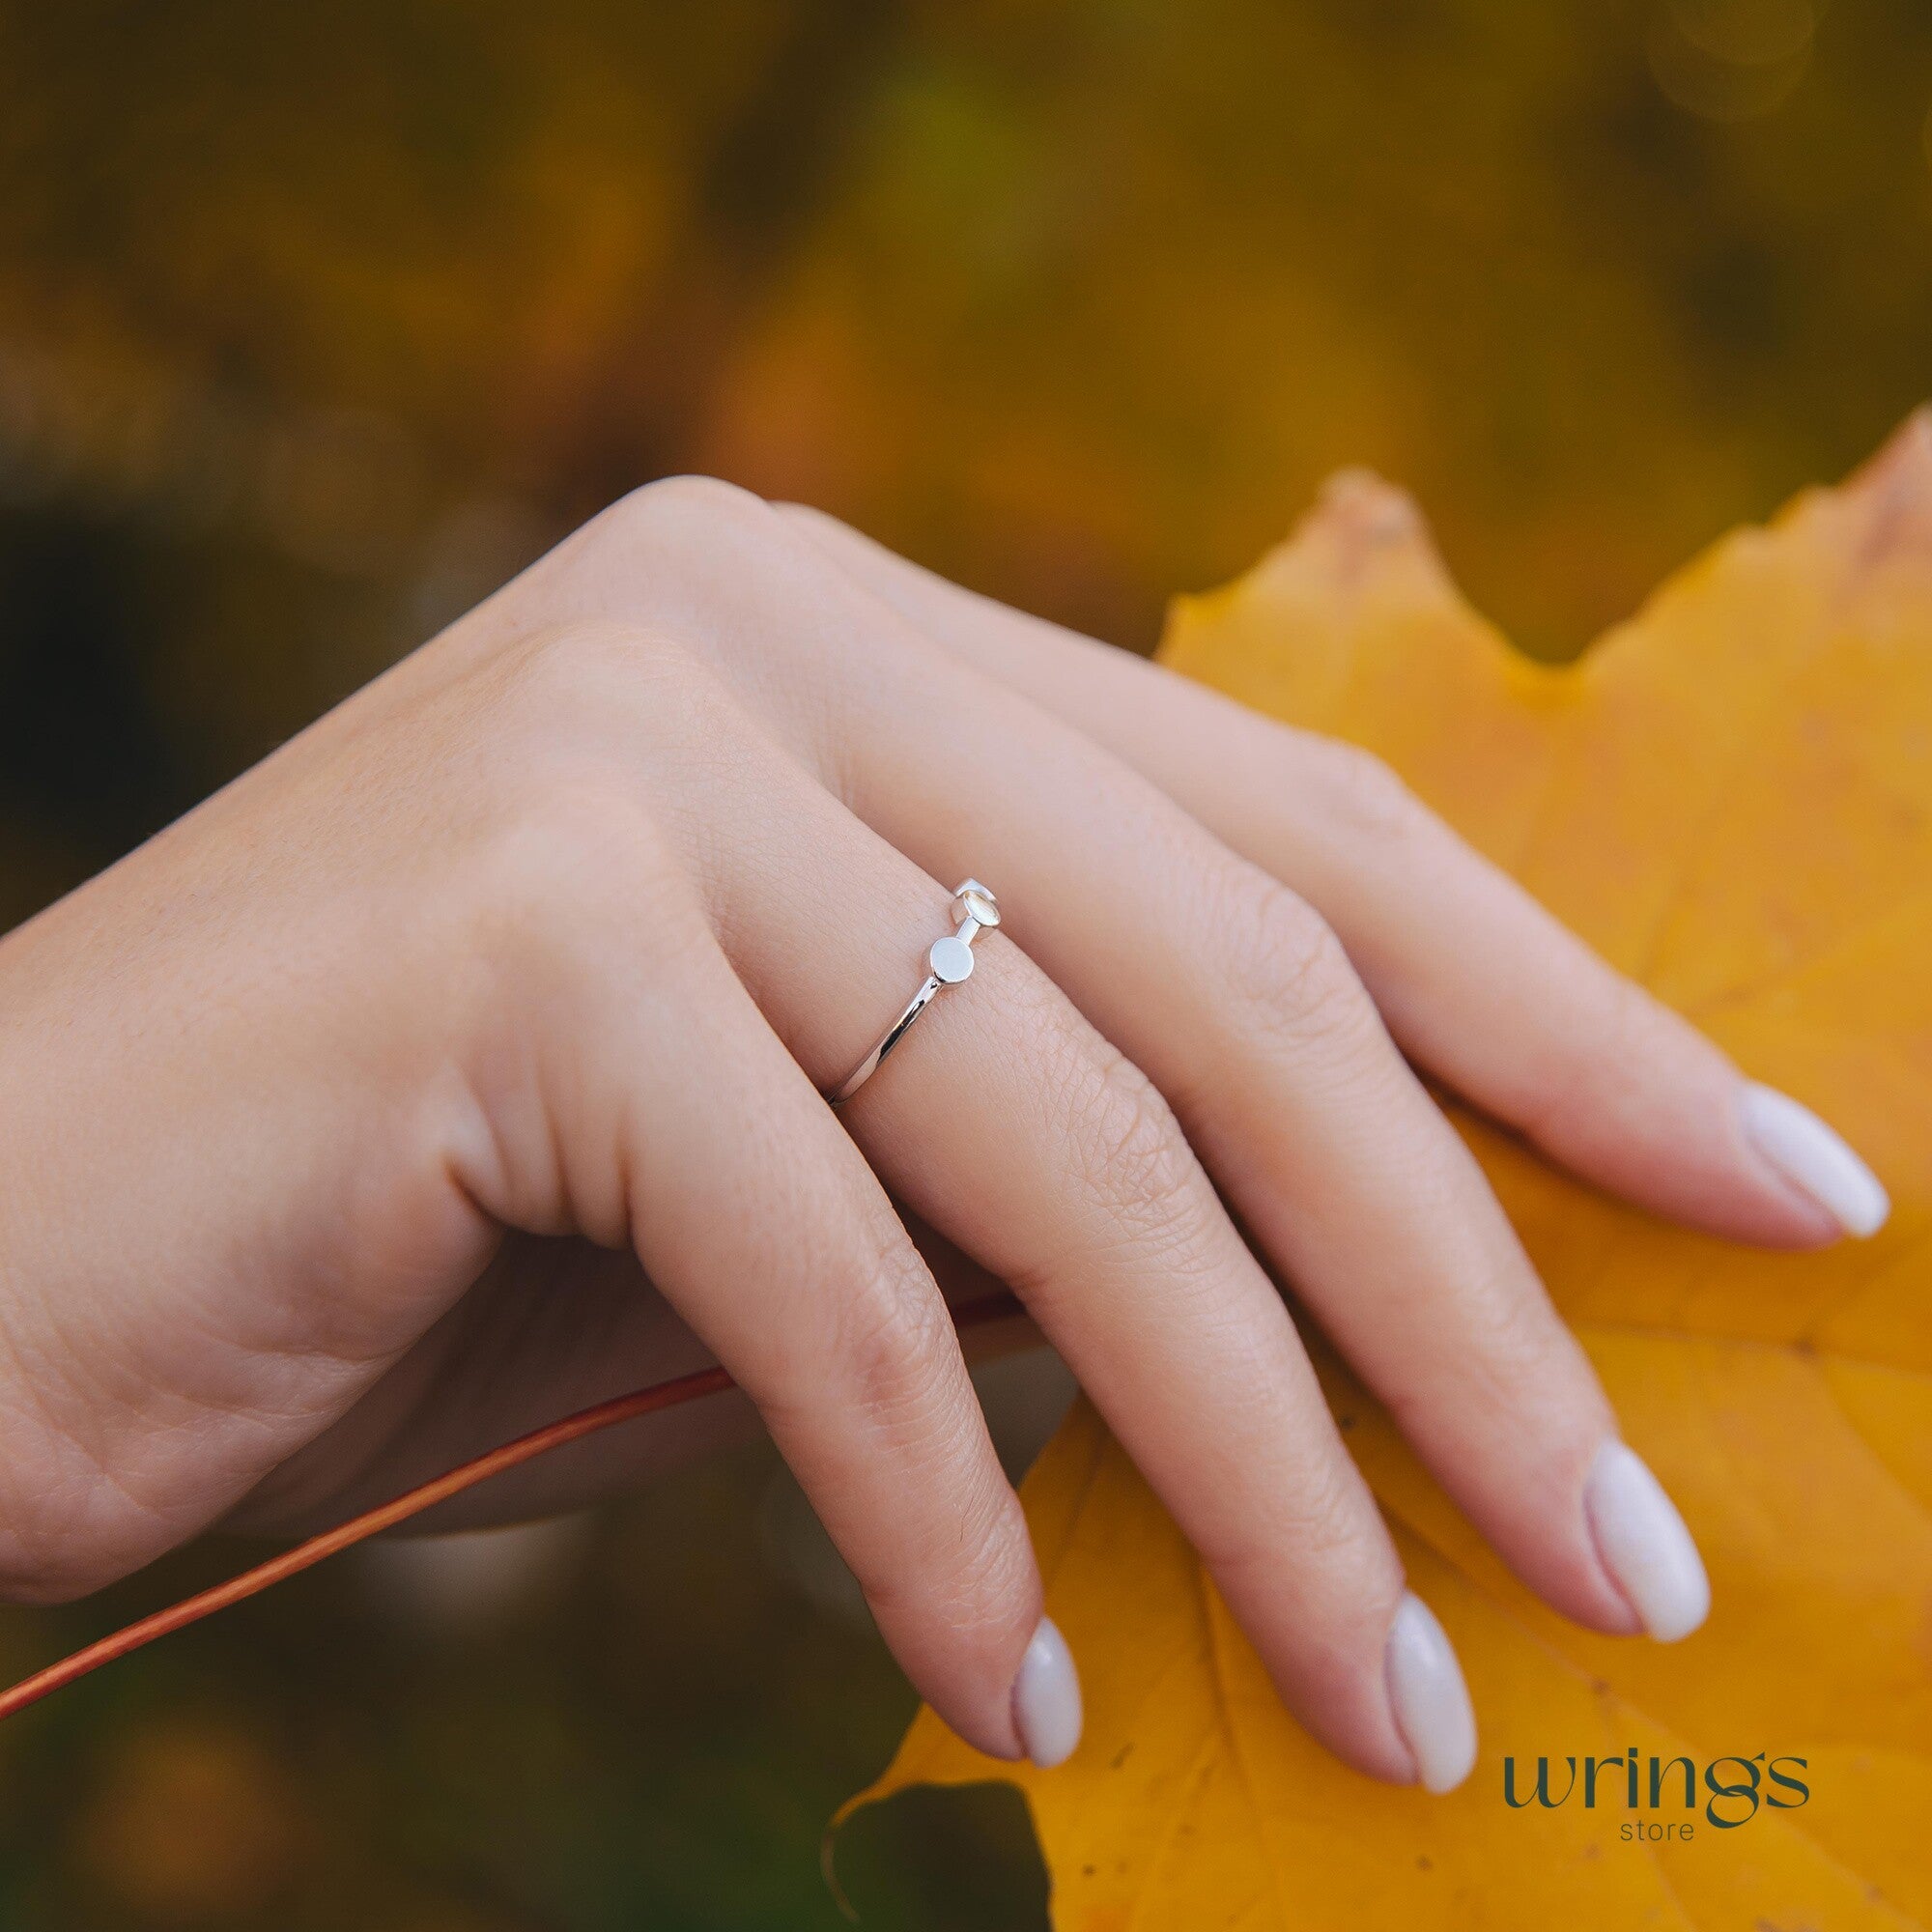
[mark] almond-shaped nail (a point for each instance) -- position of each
(1644, 1544)
(1428, 1697)
(1046, 1698)
(1814, 1159)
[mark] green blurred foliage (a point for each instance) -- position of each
(317, 322)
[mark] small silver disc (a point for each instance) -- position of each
(950, 959)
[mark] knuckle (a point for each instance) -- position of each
(1625, 1040)
(1133, 1153)
(679, 511)
(569, 709)
(571, 698)
(1286, 970)
(1359, 794)
(692, 494)
(825, 538)
(568, 856)
(571, 677)
(1318, 1525)
(810, 519)
(969, 1573)
(1612, 1057)
(895, 1346)
(970, 1566)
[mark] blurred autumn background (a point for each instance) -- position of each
(318, 321)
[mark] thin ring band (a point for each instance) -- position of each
(947, 963)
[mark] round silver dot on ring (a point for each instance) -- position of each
(948, 961)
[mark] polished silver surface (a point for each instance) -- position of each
(948, 963)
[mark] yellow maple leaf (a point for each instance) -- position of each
(1731, 797)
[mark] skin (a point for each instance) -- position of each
(462, 1063)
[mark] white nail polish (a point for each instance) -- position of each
(1644, 1544)
(1810, 1156)
(1046, 1698)
(1428, 1697)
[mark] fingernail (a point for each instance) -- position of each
(1644, 1544)
(1810, 1156)
(1428, 1697)
(1046, 1698)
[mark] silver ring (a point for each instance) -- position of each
(947, 963)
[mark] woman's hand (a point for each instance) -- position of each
(337, 1114)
